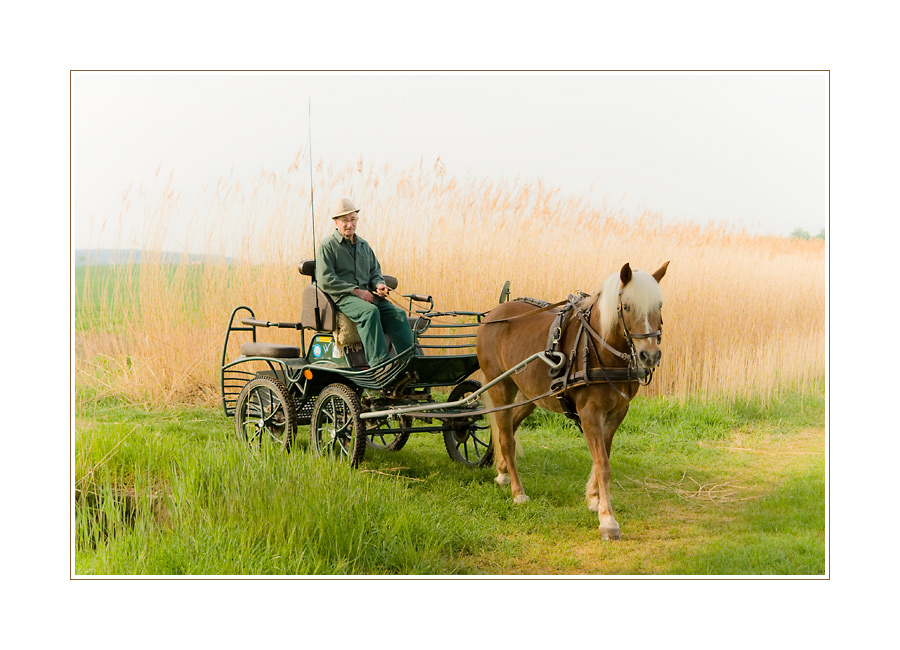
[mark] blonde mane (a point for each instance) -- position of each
(642, 293)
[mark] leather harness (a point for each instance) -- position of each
(565, 379)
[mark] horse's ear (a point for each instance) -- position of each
(660, 272)
(625, 274)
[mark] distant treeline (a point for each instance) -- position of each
(802, 234)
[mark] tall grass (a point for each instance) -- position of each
(700, 488)
(744, 314)
(194, 501)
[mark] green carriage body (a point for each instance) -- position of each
(274, 388)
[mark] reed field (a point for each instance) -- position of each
(744, 314)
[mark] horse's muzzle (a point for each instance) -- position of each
(650, 358)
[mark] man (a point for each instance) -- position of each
(347, 270)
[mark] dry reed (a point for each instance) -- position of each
(744, 314)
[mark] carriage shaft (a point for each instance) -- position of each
(469, 400)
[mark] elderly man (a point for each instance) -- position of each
(347, 270)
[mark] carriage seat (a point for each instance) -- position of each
(314, 297)
(275, 350)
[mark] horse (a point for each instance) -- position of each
(616, 328)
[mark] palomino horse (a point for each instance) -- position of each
(625, 314)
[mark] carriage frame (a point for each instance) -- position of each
(273, 389)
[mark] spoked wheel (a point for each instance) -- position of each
(335, 427)
(265, 413)
(382, 433)
(468, 440)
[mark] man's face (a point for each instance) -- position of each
(346, 225)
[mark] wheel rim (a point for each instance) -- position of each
(335, 429)
(263, 417)
(383, 434)
(469, 441)
(472, 443)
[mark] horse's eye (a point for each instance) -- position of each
(626, 307)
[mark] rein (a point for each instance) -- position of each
(530, 313)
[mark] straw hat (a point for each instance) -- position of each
(343, 207)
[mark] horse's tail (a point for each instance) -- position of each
(488, 403)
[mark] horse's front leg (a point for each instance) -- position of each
(598, 432)
(598, 496)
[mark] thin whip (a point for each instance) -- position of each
(312, 205)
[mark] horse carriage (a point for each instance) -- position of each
(599, 349)
(271, 389)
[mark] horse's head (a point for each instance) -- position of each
(638, 312)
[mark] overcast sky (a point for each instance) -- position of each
(749, 149)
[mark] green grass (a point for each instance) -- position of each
(722, 488)
(108, 297)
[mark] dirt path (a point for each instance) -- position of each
(661, 522)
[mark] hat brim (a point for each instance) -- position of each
(344, 214)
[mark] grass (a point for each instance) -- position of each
(718, 488)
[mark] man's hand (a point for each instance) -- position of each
(362, 294)
(382, 290)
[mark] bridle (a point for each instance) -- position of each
(629, 336)
(631, 356)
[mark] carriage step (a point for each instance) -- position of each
(275, 350)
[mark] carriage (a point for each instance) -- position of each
(271, 389)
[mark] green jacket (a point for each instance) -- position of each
(342, 267)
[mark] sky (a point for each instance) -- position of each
(748, 149)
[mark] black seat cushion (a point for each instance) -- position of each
(275, 350)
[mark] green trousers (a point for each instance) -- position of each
(374, 320)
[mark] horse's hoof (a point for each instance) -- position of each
(610, 533)
(502, 479)
(520, 499)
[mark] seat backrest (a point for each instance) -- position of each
(314, 299)
(308, 268)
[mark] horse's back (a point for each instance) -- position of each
(507, 334)
(513, 308)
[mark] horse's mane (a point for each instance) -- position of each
(642, 293)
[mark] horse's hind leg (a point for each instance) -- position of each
(505, 440)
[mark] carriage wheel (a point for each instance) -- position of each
(468, 440)
(382, 434)
(335, 427)
(265, 413)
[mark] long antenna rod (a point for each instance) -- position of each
(312, 205)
